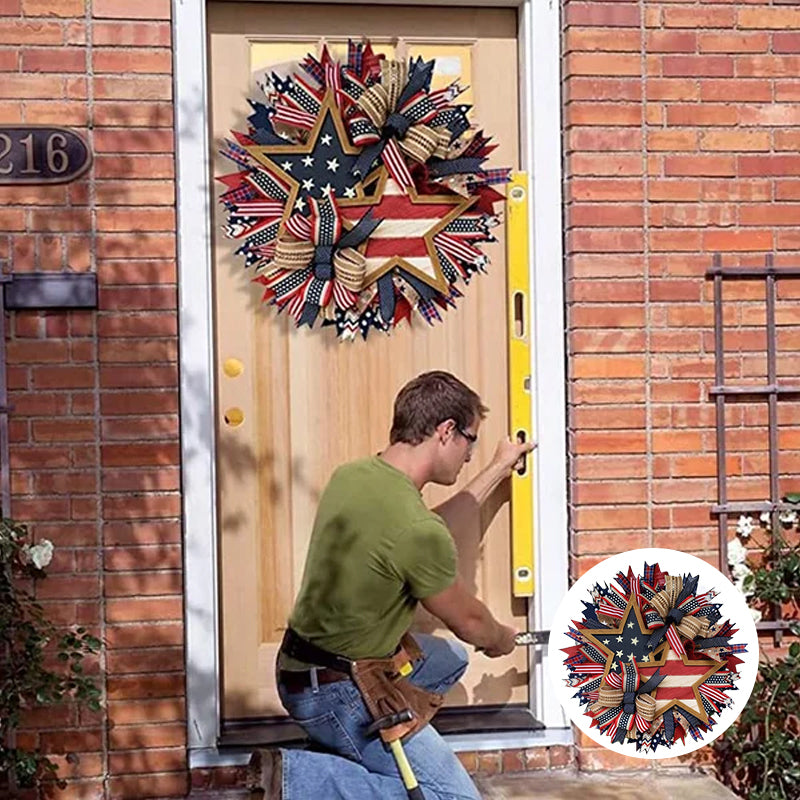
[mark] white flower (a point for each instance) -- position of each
(745, 525)
(765, 517)
(788, 518)
(40, 554)
(740, 571)
(737, 553)
(739, 584)
(756, 614)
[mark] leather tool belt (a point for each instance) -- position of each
(382, 682)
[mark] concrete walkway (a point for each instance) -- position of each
(568, 785)
(565, 785)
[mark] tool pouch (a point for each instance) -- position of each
(386, 691)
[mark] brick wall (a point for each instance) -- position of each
(94, 431)
(681, 136)
(681, 126)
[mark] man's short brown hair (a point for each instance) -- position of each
(429, 399)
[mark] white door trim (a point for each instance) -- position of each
(541, 156)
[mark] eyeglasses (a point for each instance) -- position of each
(470, 437)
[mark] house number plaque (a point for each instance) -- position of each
(41, 154)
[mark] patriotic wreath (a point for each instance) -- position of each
(360, 195)
(652, 661)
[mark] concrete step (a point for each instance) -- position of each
(569, 785)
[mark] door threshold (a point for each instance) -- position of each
(480, 722)
(232, 755)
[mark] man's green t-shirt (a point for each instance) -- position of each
(375, 550)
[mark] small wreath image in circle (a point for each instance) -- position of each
(653, 653)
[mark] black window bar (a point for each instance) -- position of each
(771, 392)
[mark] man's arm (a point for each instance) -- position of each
(460, 512)
(471, 620)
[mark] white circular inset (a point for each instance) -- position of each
(685, 675)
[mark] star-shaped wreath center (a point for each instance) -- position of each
(319, 166)
(409, 223)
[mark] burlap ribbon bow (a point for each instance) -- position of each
(628, 705)
(321, 262)
(673, 612)
(395, 114)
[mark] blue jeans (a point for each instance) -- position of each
(334, 716)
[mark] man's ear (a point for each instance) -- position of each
(444, 430)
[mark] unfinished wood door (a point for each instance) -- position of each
(293, 404)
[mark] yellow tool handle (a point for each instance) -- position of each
(519, 364)
(406, 773)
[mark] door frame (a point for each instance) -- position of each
(540, 155)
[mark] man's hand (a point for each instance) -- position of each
(508, 455)
(505, 644)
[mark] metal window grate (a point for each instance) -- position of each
(771, 392)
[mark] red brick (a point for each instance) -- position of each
(767, 66)
(143, 378)
(734, 43)
(141, 636)
(150, 660)
(598, 189)
(160, 427)
(765, 18)
(139, 324)
(698, 17)
(142, 140)
(126, 712)
(142, 245)
(54, 60)
(61, 219)
(137, 219)
(141, 9)
(587, 113)
(143, 558)
(63, 377)
(618, 15)
(697, 66)
(123, 34)
(151, 114)
(143, 687)
(47, 8)
(607, 367)
(30, 86)
(609, 442)
(142, 583)
(138, 297)
(70, 586)
(156, 402)
(146, 507)
(700, 165)
(144, 737)
(748, 90)
(133, 455)
(132, 609)
(602, 64)
(736, 141)
(132, 61)
(727, 241)
(672, 89)
(72, 482)
(578, 88)
(152, 532)
(602, 39)
(604, 518)
(72, 741)
(64, 430)
(25, 32)
(142, 87)
(133, 787)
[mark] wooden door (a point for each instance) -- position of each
(293, 404)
